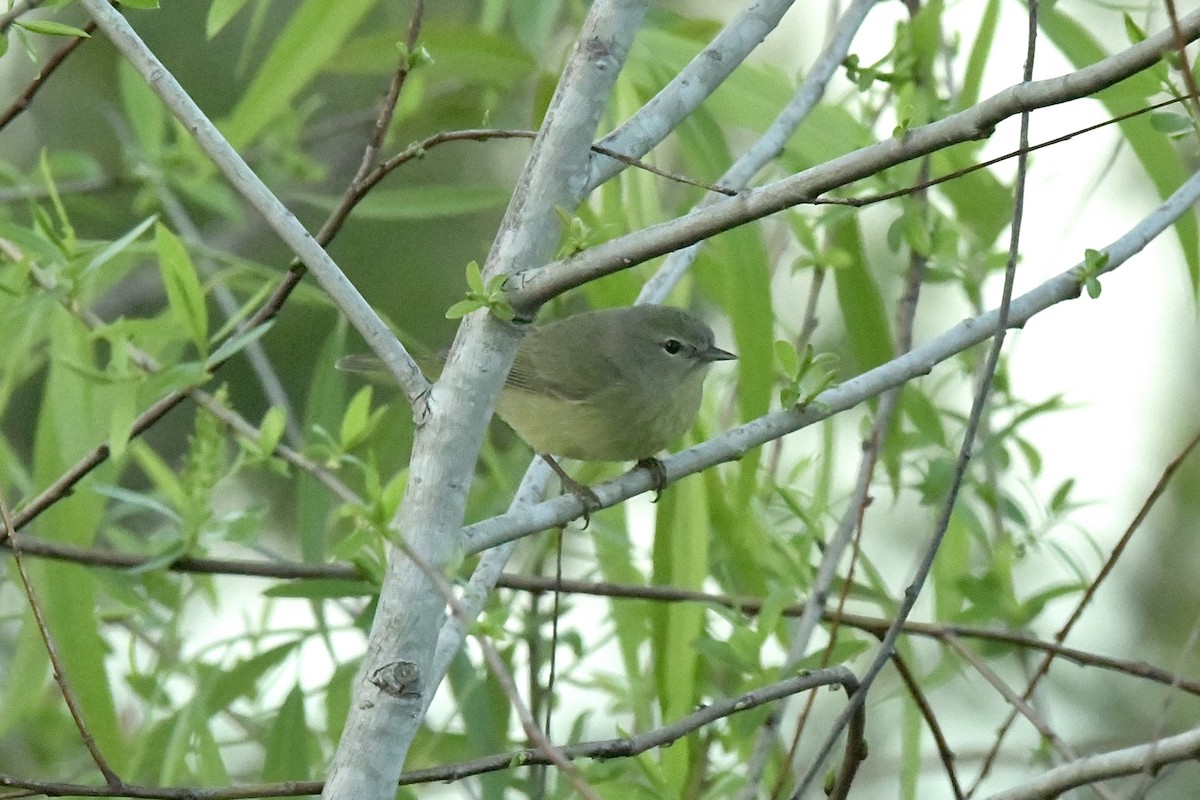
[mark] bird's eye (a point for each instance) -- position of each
(672, 346)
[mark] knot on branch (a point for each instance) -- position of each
(400, 679)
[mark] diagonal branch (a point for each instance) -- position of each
(921, 360)
(242, 178)
(532, 287)
(654, 121)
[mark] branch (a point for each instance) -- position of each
(771, 143)
(532, 287)
(34, 86)
(382, 723)
(291, 570)
(242, 178)
(1114, 764)
(654, 121)
(921, 360)
(60, 675)
(601, 750)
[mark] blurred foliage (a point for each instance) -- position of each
(128, 265)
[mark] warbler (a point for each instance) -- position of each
(618, 384)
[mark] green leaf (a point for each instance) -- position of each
(787, 358)
(231, 347)
(356, 422)
(1170, 122)
(923, 414)
(419, 202)
(322, 589)
(51, 28)
(681, 541)
(863, 313)
(270, 431)
(67, 240)
(733, 269)
(119, 246)
(241, 679)
(309, 41)
(184, 294)
(1157, 155)
(462, 308)
(326, 401)
(1061, 497)
(286, 757)
(219, 14)
(475, 278)
(1133, 30)
(144, 111)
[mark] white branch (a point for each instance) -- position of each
(735, 443)
(662, 114)
(1092, 769)
(398, 673)
(771, 143)
(532, 287)
(276, 214)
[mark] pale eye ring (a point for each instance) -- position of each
(672, 346)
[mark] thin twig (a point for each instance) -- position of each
(34, 86)
(918, 696)
(290, 570)
(1110, 563)
(925, 564)
(60, 674)
(505, 680)
(624, 747)
(1184, 67)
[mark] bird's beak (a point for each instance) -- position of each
(715, 353)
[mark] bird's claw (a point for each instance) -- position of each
(658, 474)
(584, 493)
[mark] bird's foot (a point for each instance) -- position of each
(583, 492)
(658, 474)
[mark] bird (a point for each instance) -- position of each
(616, 384)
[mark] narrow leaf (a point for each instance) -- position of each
(184, 294)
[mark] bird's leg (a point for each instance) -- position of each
(658, 473)
(586, 496)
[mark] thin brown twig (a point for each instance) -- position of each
(1023, 708)
(34, 86)
(943, 747)
(290, 570)
(504, 678)
(387, 108)
(1183, 67)
(60, 674)
(624, 747)
(662, 173)
(867, 200)
(1110, 563)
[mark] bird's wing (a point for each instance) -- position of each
(545, 366)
